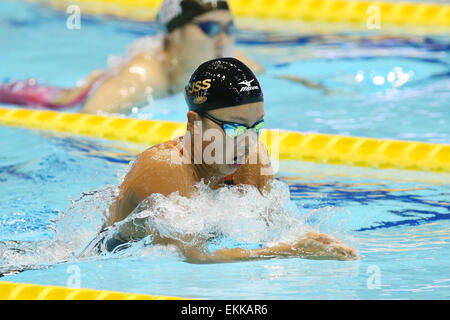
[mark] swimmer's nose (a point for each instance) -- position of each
(221, 41)
(218, 52)
(222, 38)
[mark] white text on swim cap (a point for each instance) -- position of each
(169, 10)
(248, 85)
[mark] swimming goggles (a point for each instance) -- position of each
(214, 28)
(233, 129)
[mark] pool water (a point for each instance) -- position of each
(54, 187)
(399, 222)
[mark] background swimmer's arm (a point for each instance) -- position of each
(254, 65)
(312, 246)
(66, 96)
(141, 78)
(306, 83)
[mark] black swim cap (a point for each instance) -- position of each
(176, 13)
(222, 83)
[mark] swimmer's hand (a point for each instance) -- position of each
(312, 246)
(322, 246)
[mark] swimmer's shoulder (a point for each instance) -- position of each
(157, 160)
(168, 154)
(148, 60)
(156, 170)
(150, 68)
(152, 172)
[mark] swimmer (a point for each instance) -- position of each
(192, 31)
(225, 97)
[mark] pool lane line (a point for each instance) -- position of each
(357, 12)
(283, 145)
(24, 291)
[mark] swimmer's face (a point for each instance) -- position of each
(197, 47)
(235, 151)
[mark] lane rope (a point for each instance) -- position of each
(283, 145)
(25, 291)
(403, 13)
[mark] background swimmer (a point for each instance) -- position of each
(193, 31)
(216, 102)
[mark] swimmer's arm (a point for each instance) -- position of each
(254, 65)
(66, 96)
(122, 206)
(312, 246)
(129, 88)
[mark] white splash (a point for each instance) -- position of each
(231, 216)
(240, 214)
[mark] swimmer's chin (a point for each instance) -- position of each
(227, 169)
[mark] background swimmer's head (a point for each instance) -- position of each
(197, 30)
(225, 96)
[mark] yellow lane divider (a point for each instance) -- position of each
(23, 291)
(405, 13)
(321, 148)
(114, 128)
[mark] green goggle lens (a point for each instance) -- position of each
(259, 126)
(236, 130)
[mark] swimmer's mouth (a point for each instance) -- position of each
(237, 162)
